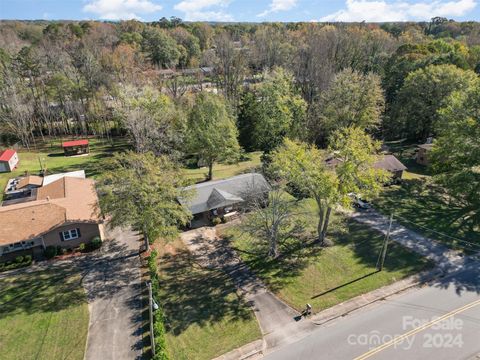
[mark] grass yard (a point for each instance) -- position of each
(205, 317)
(421, 207)
(43, 315)
(222, 171)
(51, 154)
(323, 277)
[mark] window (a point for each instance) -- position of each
(70, 234)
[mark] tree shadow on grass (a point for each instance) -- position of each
(426, 205)
(191, 294)
(41, 291)
(295, 255)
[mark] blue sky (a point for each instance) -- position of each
(242, 10)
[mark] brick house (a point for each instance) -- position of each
(63, 213)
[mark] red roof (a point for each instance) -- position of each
(7, 155)
(75, 143)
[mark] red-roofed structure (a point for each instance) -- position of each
(75, 147)
(8, 160)
(75, 143)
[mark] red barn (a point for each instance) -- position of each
(8, 160)
(75, 147)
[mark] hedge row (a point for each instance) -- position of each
(158, 319)
(19, 262)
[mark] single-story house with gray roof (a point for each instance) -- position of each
(223, 198)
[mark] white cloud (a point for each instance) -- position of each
(121, 9)
(196, 10)
(279, 5)
(380, 10)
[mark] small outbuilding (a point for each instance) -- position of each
(391, 164)
(422, 154)
(76, 147)
(8, 160)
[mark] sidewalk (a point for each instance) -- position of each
(445, 258)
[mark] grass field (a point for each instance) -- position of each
(323, 277)
(43, 315)
(205, 317)
(221, 171)
(51, 155)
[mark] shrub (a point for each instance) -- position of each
(81, 247)
(60, 250)
(216, 220)
(19, 259)
(96, 243)
(28, 258)
(50, 252)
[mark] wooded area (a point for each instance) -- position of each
(259, 84)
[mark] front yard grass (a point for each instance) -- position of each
(204, 315)
(323, 277)
(43, 315)
(423, 207)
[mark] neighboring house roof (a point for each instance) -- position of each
(29, 180)
(390, 163)
(51, 178)
(214, 194)
(386, 162)
(75, 143)
(65, 200)
(426, 146)
(6, 155)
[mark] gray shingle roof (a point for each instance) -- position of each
(218, 193)
(390, 163)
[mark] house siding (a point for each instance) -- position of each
(87, 233)
(422, 157)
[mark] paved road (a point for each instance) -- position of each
(113, 283)
(359, 335)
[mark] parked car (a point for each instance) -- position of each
(358, 202)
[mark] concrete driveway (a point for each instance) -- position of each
(113, 286)
(278, 322)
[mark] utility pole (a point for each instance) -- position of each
(385, 244)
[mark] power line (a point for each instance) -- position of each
(438, 232)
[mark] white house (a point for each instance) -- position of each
(8, 160)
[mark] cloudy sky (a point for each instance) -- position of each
(242, 10)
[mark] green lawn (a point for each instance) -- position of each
(422, 206)
(323, 277)
(43, 315)
(205, 317)
(222, 171)
(51, 155)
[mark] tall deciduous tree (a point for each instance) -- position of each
(456, 153)
(305, 167)
(353, 99)
(211, 131)
(273, 112)
(141, 190)
(415, 112)
(161, 48)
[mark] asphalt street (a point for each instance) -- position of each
(441, 320)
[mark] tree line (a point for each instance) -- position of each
(206, 92)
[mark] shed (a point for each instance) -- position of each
(75, 147)
(8, 160)
(422, 155)
(391, 164)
